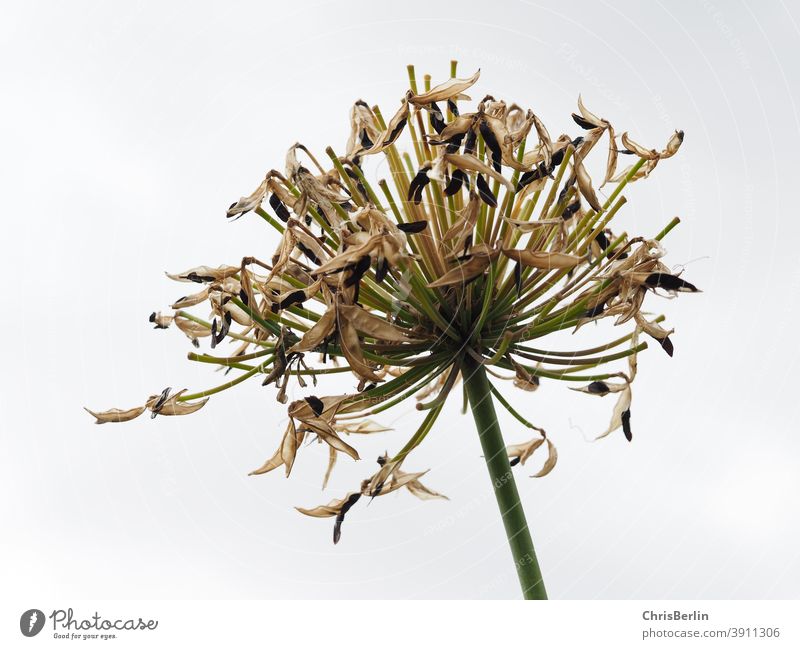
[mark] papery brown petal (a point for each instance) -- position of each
(448, 89)
(585, 185)
(332, 456)
(522, 452)
(351, 348)
(471, 163)
(191, 300)
(463, 273)
(204, 274)
(611, 162)
(372, 325)
(116, 414)
(550, 462)
(638, 149)
(673, 145)
(543, 260)
(589, 116)
(623, 404)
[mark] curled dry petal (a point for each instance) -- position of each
(550, 462)
(543, 260)
(116, 415)
(204, 274)
(447, 90)
(623, 405)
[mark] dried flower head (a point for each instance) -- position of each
(488, 236)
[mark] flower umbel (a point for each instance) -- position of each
(488, 236)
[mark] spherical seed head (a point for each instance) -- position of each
(487, 235)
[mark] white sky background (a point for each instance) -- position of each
(126, 129)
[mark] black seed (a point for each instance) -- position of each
(416, 186)
(453, 144)
(280, 209)
(557, 158)
(626, 425)
(471, 142)
(295, 297)
(437, 119)
(199, 279)
(582, 122)
(577, 141)
(569, 210)
(381, 270)
(485, 193)
(196, 343)
(624, 152)
(395, 133)
(369, 386)
(598, 387)
(308, 253)
(231, 206)
(316, 405)
(669, 282)
(454, 108)
(458, 179)
(381, 460)
(413, 227)
(493, 145)
(594, 311)
(361, 267)
(667, 346)
(243, 297)
(152, 317)
(365, 141)
(513, 461)
(159, 403)
(337, 526)
(602, 240)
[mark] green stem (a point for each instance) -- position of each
(479, 393)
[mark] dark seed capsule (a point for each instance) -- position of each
(437, 119)
(626, 425)
(470, 142)
(395, 133)
(485, 193)
(582, 122)
(295, 297)
(454, 143)
(199, 279)
(569, 210)
(316, 405)
(457, 180)
(280, 209)
(493, 145)
(598, 387)
(412, 228)
(666, 345)
(361, 267)
(669, 282)
(337, 526)
(416, 186)
(365, 141)
(381, 271)
(594, 311)
(307, 252)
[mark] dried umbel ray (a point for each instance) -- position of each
(487, 237)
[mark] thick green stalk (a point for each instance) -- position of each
(479, 394)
